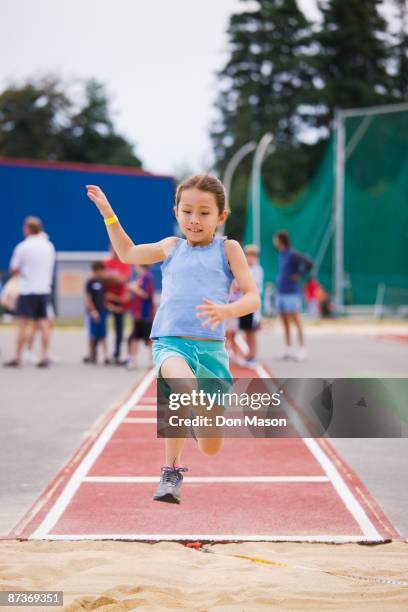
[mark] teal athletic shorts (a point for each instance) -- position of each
(208, 359)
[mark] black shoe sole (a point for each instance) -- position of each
(169, 498)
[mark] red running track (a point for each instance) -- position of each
(255, 489)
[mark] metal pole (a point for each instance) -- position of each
(340, 163)
(339, 213)
(323, 247)
(375, 110)
(232, 166)
(259, 156)
(229, 172)
(379, 301)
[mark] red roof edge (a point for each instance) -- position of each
(23, 162)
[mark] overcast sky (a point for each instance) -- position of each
(158, 59)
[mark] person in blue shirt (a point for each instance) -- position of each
(292, 267)
(188, 330)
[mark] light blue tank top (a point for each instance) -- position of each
(189, 275)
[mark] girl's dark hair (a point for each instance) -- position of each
(283, 237)
(208, 183)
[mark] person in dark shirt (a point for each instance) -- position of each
(292, 266)
(142, 309)
(96, 312)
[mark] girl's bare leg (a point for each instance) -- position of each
(177, 368)
(250, 337)
(209, 445)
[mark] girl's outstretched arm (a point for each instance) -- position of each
(127, 251)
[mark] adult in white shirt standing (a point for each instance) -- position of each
(33, 259)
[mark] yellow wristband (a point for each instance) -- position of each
(111, 220)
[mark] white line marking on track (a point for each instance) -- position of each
(146, 407)
(343, 490)
(147, 400)
(140, 420)
(232, 537)
(209, 479)
(73, 484)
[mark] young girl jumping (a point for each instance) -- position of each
(188, 330)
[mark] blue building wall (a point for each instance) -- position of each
(57, 195)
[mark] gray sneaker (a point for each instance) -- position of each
(170, 485)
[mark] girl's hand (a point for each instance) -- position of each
(212, 312)
(97, 196)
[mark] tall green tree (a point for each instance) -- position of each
(38, 120)
(91, 136)
(265, 85)
(354, 56)
(400, 50)
(32, 117)
(266, 77)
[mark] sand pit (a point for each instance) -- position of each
(121, 576)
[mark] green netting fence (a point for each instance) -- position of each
(375, 211)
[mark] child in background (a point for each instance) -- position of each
(142, 309)
(325, 307)
(250, 323)
(311, 291)
(96, 312)
(9, 294)
(197, 274)
(232, 326)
